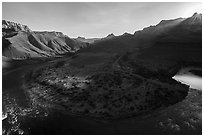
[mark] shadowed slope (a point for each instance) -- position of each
(178, 40)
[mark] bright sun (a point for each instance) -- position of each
(190, 10)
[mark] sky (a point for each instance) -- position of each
(92, 20)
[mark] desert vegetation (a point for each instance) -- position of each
(109, 93)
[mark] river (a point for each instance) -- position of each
(186, 76)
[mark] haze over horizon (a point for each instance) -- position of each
(95, 19)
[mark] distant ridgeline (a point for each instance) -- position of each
(19, 42)
(175, 39)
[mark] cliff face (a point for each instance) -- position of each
(20, 42)
(12, 26)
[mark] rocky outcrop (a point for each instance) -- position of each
(8, 25)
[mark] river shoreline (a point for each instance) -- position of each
(186, 76)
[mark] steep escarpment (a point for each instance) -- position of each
(180, 46)
(19, 42)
